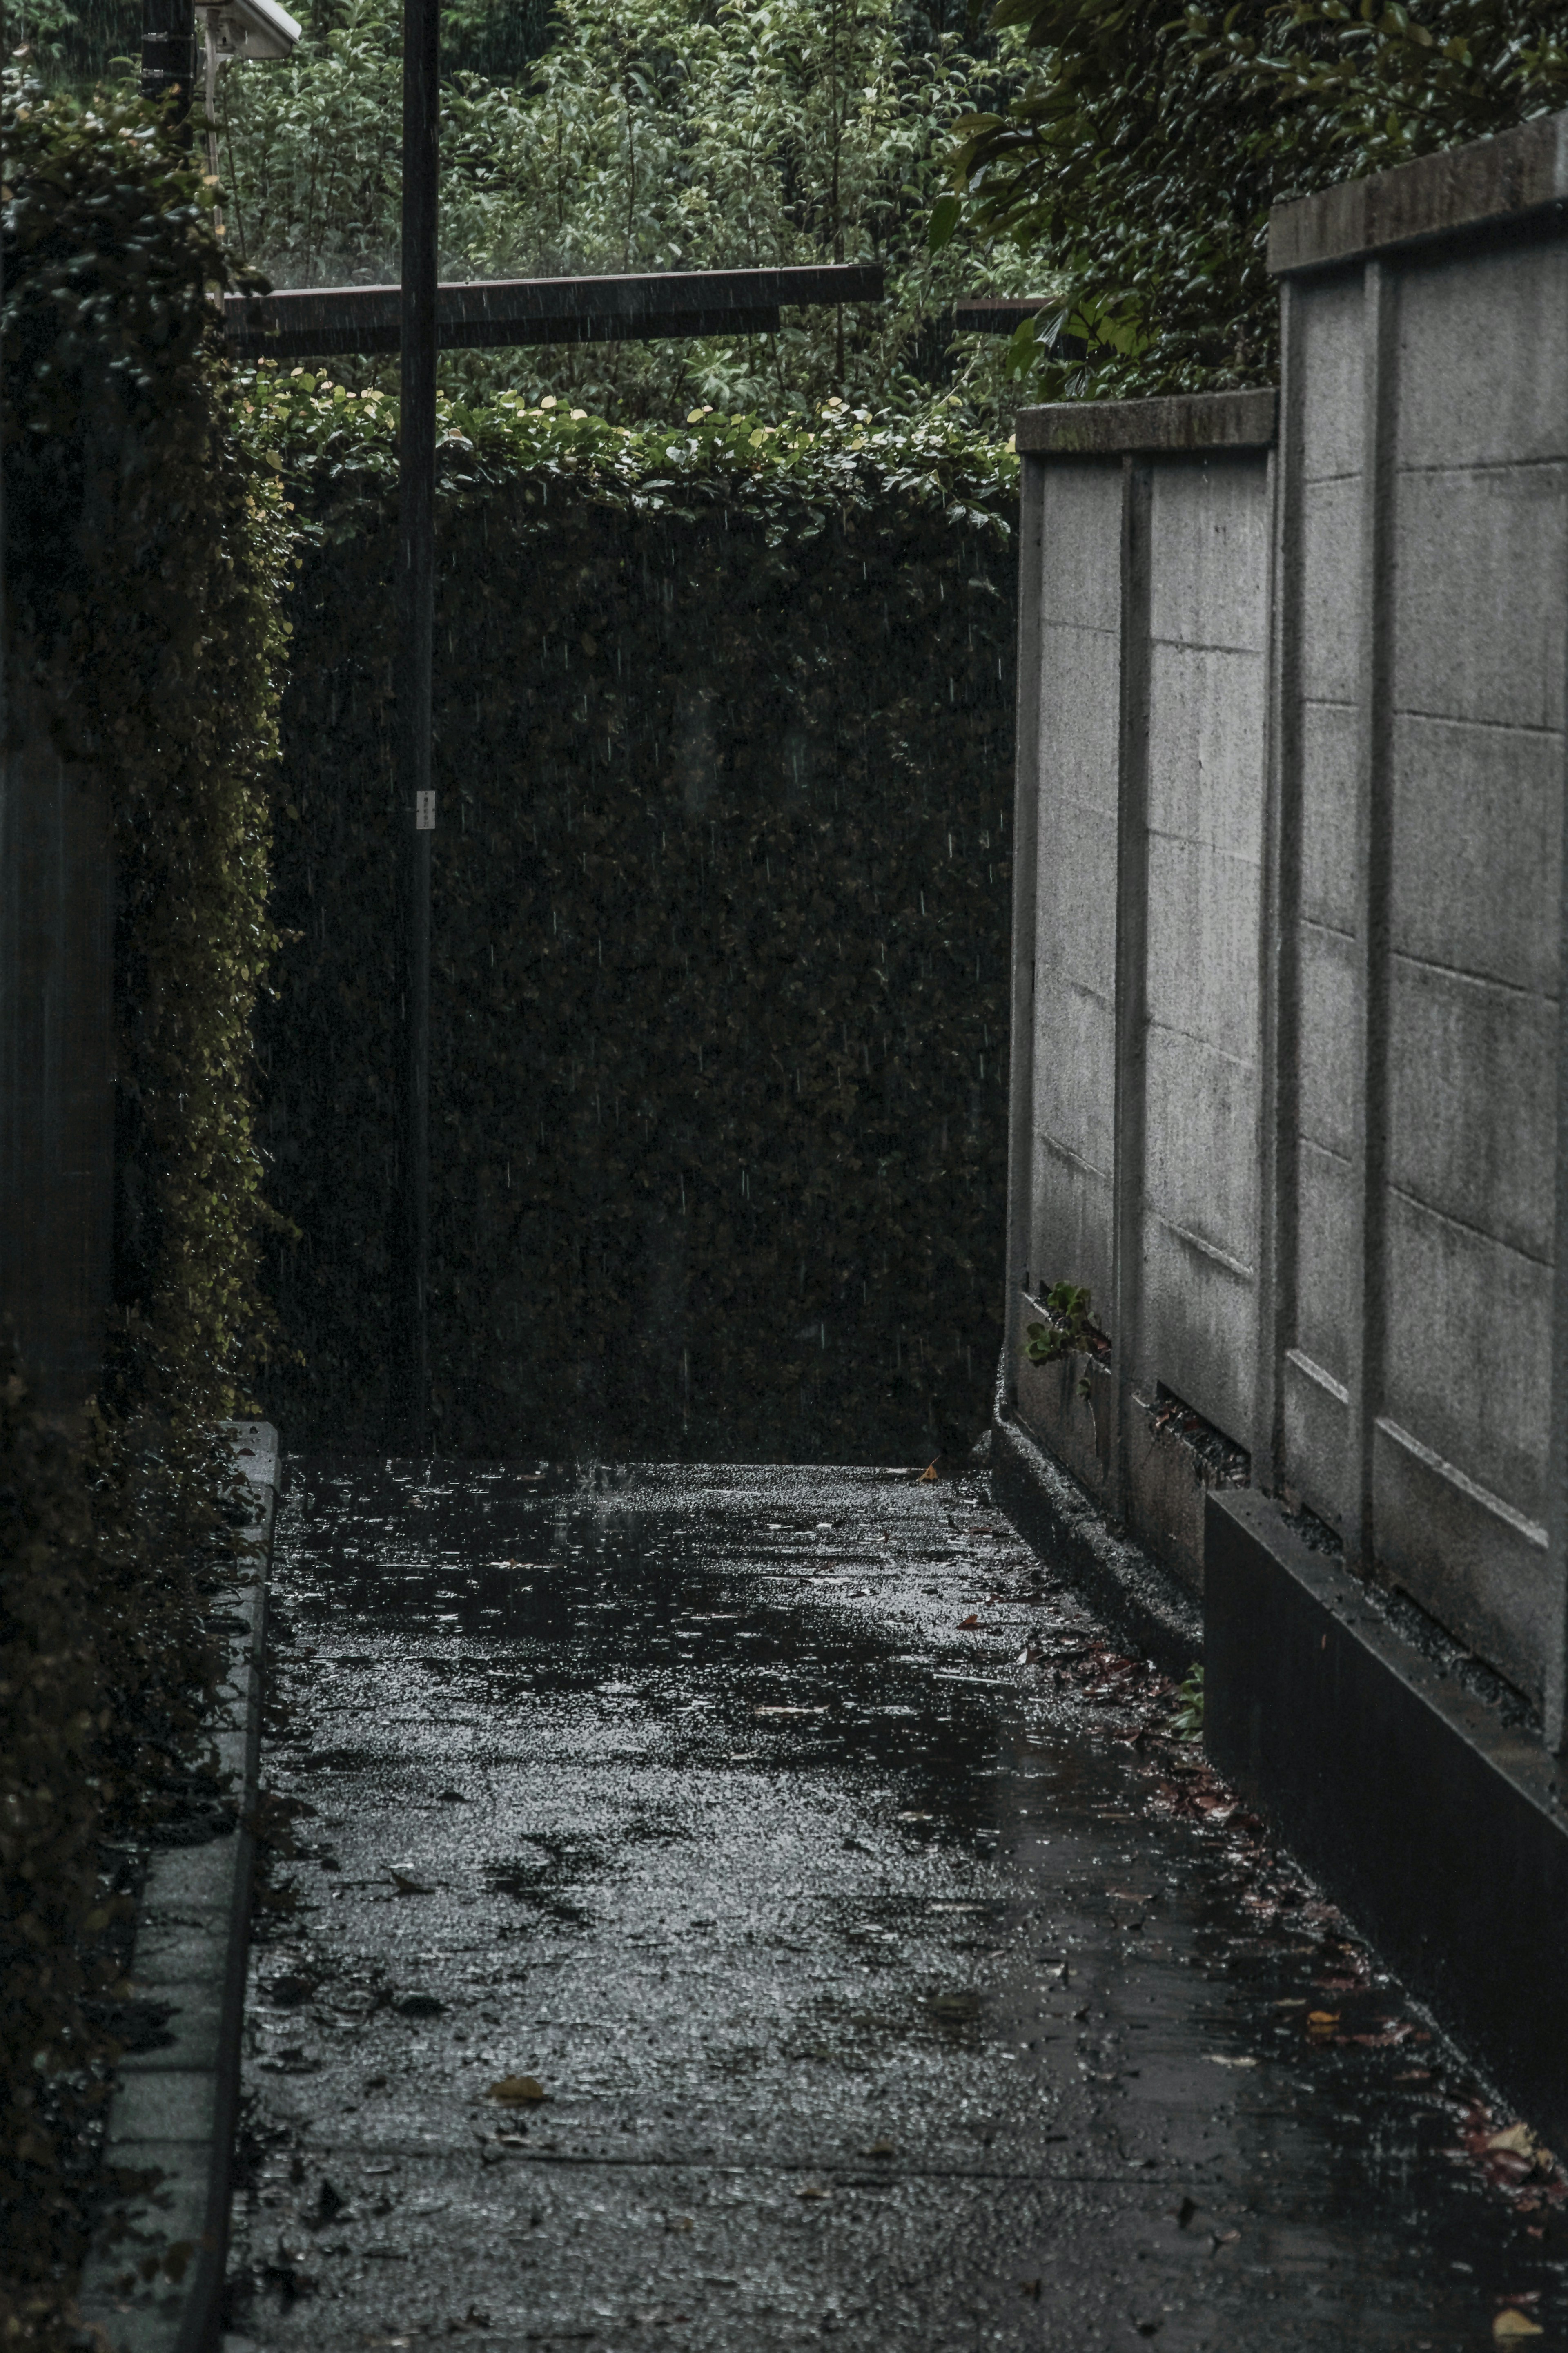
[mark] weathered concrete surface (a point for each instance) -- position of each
(172, 2112)
(1294, 1100)
(1184, 421)
(1494, 183)
(1417, 1805)
(1138, 1068)
(876, 1989)
(1422, 552)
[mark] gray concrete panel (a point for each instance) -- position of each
(1076, 1429)
(1077, 903)
(1330, 847)
(1478, 826)
(1328, 323)
(1472, 1073)
(1080, 679)
(1200, 1328)
(1479, 1575)
(1329, 655)
(1070, 1240)
(178, 2105)
(1081, 536)
(1478, 609)
(1200, 1172)
(1326, 1214)
(1209, 553)
(1206, 728)
(1329, 1082)
(1467, 1352)
(1316, 1448)
(1075, 1075)
(1202, 945)
(1483, 358)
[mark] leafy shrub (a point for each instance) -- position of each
(723, 747)
(1141, 160)
(145, 560)
(650, 135)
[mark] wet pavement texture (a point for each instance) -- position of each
(888, 1973)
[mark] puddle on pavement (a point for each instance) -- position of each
(690, 1797)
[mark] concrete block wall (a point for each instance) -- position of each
(1137, 1026)
(1291, 796)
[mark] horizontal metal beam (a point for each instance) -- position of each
(994, 314)
(317, 322)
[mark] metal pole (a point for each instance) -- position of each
(416, 624)
(169, 57)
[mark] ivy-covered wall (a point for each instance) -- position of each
(146, 561)
(723, 749)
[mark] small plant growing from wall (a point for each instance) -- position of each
(1187, 1723)
(1071, 1331)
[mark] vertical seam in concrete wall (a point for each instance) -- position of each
(1279, 1092)
(1280, 919)
(1371, 978)
(1131, 961)
(1026, 901)
(1554, 1697)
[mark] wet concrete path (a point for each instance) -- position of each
(884, 1982)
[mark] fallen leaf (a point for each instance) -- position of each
(928, 1473)
(1517, 2139)
(811, 2190)
(517, 2091)
(965, 1623)
(1514, 2323)
(883, 2148)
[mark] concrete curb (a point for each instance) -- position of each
(1442, 1830)
(174, 2109)
(1141, 1601)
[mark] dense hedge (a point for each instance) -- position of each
(723, 747)
(146, 553)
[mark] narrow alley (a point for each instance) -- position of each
(730, 1908)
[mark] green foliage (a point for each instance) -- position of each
(145, 560)
(1071, 1331)
(723, 752)
(651, 134)
(1187, 1722)
(1142, 156)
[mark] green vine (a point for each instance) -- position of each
(146, 559)
(1070, 1331)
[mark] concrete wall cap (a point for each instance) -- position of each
(1171, 427)
(1508, 178)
